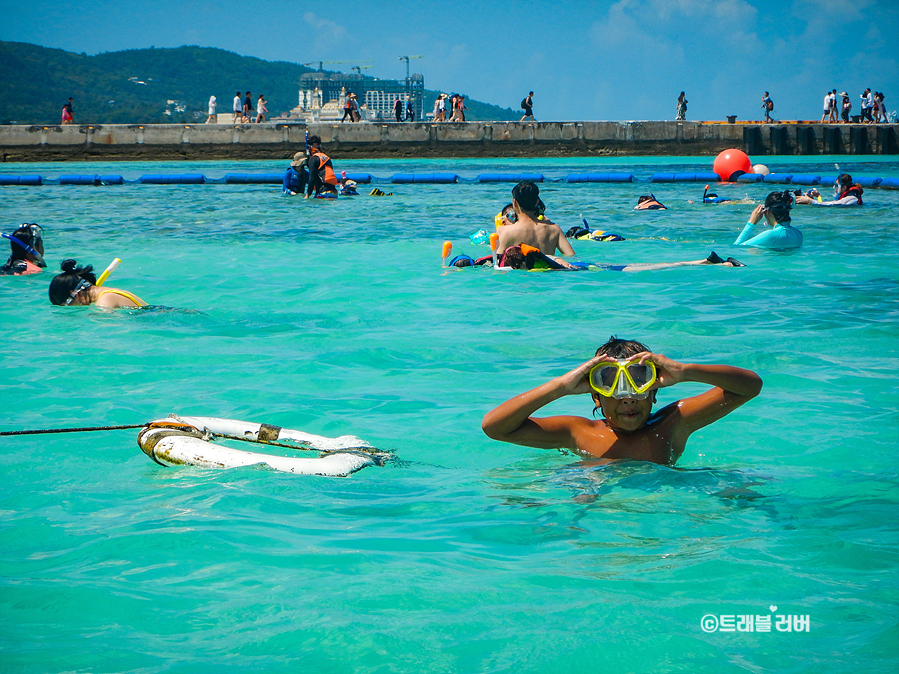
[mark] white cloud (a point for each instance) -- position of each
(325, 29)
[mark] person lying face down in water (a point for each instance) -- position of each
(75, 287)
(527, 257)
(623, 379)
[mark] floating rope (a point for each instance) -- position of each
(72, 430)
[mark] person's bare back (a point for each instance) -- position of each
(546, 236)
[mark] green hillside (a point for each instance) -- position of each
(134, 86)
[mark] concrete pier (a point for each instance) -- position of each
(279, 140)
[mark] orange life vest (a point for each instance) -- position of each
(325, 168)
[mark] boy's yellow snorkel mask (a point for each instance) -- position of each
(623, 379)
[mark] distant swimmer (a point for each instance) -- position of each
(845, 192)
(776, 212)
(322, 180)
(297, 175)
(76, 287)
(27, 251)
(648, 202)
(622, 380)
(712, 198)
(528, 227)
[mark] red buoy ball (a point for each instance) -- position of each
(731, 164)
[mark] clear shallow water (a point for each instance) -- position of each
(463, 554)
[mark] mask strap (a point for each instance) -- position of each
(81, 286)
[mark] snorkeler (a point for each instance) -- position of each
(27, 254)
(528, 227)
(76, 287)
(527, 257)
(622, 380)
(297, 175)
(648, 202)
(322, 181)
(712, 198)
(845, 192)
(776, 212)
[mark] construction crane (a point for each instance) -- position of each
(321, 63)
(359, 69)
(406, 59)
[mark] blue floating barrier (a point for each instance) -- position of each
(805, 179)
(891, 183)
(600, 177)
(865, 181)
(400, 178)
(778, 177)
(751, 178)
(685, 178)
(828, 180)
(173, 179)
(21, 180)
(509, 177)
(359, 177)
(254, 178)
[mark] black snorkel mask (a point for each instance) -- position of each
(37, 234)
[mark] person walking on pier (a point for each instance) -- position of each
(261, 110)
(68, 116)
(867, 106)
(527, 104)
(846, 107)
(682, 107)
(398, 109)
(247, 111)
(210, 119)
(767, 106)
(237, 107)
(833, 107)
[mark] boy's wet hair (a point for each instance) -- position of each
(527, 194)
(315, 141)
(779, 205)
(621, 348)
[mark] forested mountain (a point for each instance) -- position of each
(137, 85)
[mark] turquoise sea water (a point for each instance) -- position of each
(462, 554)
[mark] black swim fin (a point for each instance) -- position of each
(714, 258)
(735, 262)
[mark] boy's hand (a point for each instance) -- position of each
(578, 380)
(668, 372)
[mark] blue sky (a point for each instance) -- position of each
(584, 60)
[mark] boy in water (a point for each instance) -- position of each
(528, 228)
(623, 379)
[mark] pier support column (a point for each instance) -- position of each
(858, 139)
(833, 140)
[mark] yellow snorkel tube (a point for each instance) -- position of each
(105, 275)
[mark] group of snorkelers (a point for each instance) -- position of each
(541, 239)
(624, 376)
(311, 173)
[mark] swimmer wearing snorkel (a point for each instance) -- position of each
(27, 251)
(78, 286)
(623, 379)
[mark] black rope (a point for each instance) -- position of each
(72, 430)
